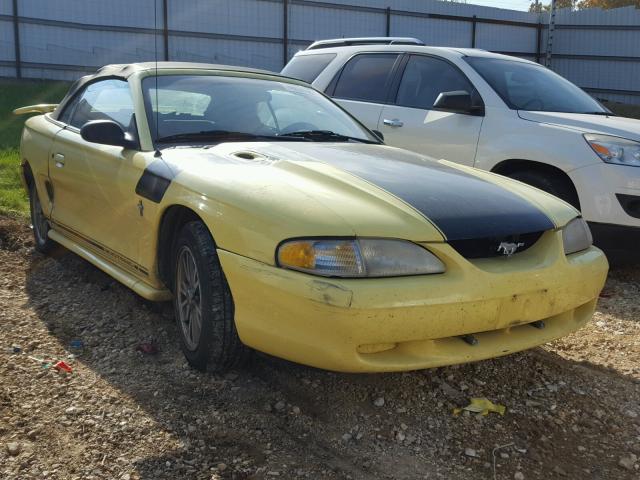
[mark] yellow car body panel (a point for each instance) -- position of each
(274, 191)
(367, 325)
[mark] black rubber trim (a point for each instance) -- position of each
(630, 204)
(608, 236)
(49, 187)
(155, 181)
(461, 205)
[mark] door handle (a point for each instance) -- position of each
(58, 158)
(393, 123)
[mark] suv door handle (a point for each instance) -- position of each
(393, 123)
(58, 158)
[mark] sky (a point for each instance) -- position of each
(511, 4)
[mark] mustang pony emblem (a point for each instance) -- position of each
(509, 248)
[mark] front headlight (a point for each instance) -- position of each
(576, 236)
(365, 257)
(617, 150)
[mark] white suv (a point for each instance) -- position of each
(494, 112)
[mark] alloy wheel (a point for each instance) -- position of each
(189, 298)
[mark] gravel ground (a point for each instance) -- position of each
(572, 406)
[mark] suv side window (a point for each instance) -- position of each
(103, 100)
(425, 78)
(307, 67)
(366, 77)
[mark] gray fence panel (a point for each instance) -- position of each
(254, 54)
(600, 74)
(440, 33)
(7, 46)
(315, 23)
(48, 73)
(506, 38)
(444, 8)
(90, 48)
(597, 42)
(596, 16)
(131, 13)
(7, 71)
(237, 17)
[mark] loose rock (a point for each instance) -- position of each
(470, 452)
(628, 461)
(14, 448)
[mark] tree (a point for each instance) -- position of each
(537, 7)
(608, 3)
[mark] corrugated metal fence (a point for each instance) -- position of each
(62, 39)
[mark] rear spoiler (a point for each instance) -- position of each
(42, 108)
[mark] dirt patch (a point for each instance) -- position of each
(572, 406)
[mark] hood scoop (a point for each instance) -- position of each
(249, 155)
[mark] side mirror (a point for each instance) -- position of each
(107, 132)
(378, 134)
(458, 101)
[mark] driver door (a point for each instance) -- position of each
(411, 122)
(94, 185)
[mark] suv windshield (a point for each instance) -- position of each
(216, 108)
(525, 86)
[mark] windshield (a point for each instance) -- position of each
(525, 86)
(214, 107)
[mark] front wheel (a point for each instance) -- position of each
(43, 243)
(203, 303)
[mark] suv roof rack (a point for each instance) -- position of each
(346, 42)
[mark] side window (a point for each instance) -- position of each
(308, 67)
(104, 100)
(65, 116)
(425, 78)
(366, 77)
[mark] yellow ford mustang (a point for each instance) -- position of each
(276, 221)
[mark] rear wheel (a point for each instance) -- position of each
(555, 185)
(203, 304)
(40, 223)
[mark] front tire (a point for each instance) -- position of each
(42, 242)
(203, 304)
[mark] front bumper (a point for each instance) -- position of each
(597, 186)
(406, 323)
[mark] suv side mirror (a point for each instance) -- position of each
(107, 132)
(458, 101)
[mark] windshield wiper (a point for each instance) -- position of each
(219, 135)
(320, 135)
(604, 114)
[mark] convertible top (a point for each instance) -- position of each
(125, 70)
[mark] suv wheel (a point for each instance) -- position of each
(203, 303)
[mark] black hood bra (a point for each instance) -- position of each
(461, 205)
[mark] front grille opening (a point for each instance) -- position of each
(630, 204)
(490, 246)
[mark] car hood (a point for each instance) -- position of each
(619, 126)
(365, 190)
